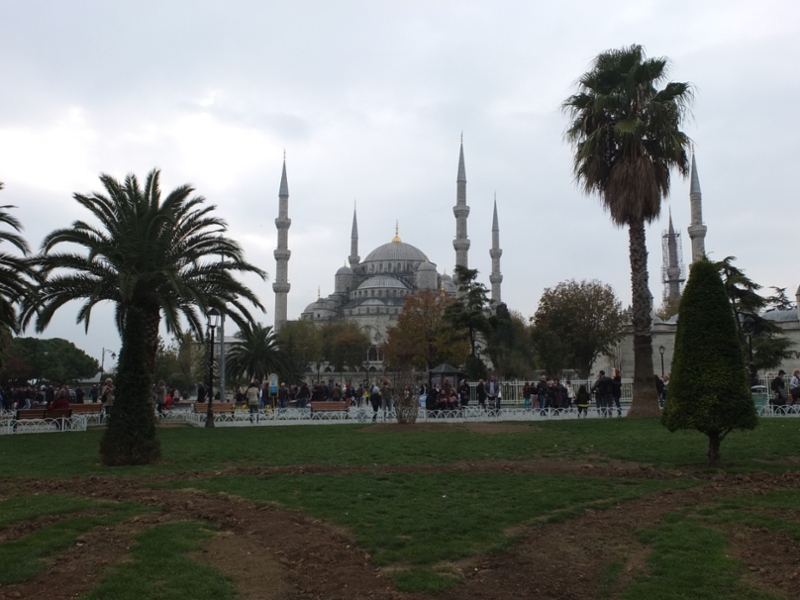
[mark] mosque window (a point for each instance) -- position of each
(399, 268)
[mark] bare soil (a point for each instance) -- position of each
(276, 554)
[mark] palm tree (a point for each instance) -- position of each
(255, 353)
(151, 258)
(166, 257)
(16, 274)
(626, 135)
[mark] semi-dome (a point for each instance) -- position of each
(396, 251)
(382, 282)
(449, 287)
(372, 302)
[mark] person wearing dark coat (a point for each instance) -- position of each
(480, 391)
(604, 386)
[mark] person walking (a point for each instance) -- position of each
(161, 397)
(604, 386)
(493, 393)
(375, 400)
(480, 391)
(794, 386)
(779, 394)
(251, 395)
(582, 399)
(542, 388)
(616, 393)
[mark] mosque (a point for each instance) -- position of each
(371, 292)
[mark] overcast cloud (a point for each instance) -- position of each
(369, 100)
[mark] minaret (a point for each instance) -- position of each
(673, 279)
(697, 231)
(496, 278)
(282, 253)
(461, 211)
(354, 258)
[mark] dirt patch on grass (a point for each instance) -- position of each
(257, 575)
(303, 557)
(80, 568)
(772, 557)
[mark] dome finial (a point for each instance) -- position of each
(319, 292)
(396, 239)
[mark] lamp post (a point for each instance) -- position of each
(103, 361)
(213, 318)
(661, 349)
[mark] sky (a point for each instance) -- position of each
(369, 100)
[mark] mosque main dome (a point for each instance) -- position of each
(394, 251)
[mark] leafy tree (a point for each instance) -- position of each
(52, 359)
(16, 273)
(770, 347)
(150, 256)
(344, 344)
(301, 344)
(510, 347)
(779, 300)
(422, 338)
(183, 362)
(626, 135)
(468, 313)
(255, 354)
(708, 390)
(575, 323)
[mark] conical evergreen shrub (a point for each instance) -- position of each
(708, 389)
(130, 437)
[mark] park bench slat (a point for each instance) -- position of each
(216, 407)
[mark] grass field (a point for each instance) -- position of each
(431, 510)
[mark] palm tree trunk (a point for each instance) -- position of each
(152, 320)
(645, 399)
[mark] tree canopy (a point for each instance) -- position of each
(575, 323)
(510, 346)
(183, 362)
(301, 343)
(468, 313)
(422, 337)
(16, 274)
(54, 359)
(167, 256)
(344, 344)
(770, 347)
(255, 354)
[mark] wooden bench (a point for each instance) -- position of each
(24, 414)
(201, 408)
(40, 414)
(332, 406)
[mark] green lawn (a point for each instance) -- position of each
(191, 449)
(415, 524)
